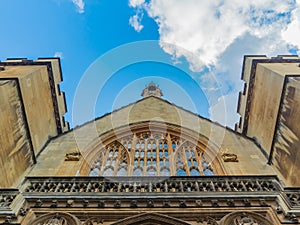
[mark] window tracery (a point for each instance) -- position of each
(151, 154)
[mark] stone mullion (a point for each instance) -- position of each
(145, 158)
(118, 160)
(185, 164)
(132, 156)
(105, 158)
(157, 156)
(170, 155)
(199, 161)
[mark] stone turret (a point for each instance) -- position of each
(152, 90)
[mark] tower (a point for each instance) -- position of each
(270, 113)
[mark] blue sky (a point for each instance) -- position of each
(199, 56)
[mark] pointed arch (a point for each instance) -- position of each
(170, 149)
(237, 218)
(150, 218)
(56, 218)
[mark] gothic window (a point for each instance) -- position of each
(195, 172)
(108, 172)
(165, 172)
(151, 172)
(122, 171)
(151, 155)
(138, 172)
(180, 172)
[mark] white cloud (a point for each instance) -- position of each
(136, 3)
(292, 32)
(58, 54)
(216, 35)
(135, 22)
(206, 28)
(79, 5)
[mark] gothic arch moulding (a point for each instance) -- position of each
(152, 149)
(57, 219)
(245, 218)
(150, 219)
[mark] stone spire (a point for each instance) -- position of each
(152, 90)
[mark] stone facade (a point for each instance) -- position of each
(150, 162)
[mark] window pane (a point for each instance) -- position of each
(194, 172)
(180, 172)
(165, 172)
(94, 172)
(122, 172)
(138, 172)
(151, 172)
(208, 172)
(108, 172)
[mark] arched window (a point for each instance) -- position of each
(194, 172)
(180, 172)
(151, 154)
(151, 172)
(137, 172)
(165, 172)
(122, 172)
(94, 172)
(108, 172)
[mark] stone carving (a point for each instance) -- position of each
(247, 202)
(73, 156)
(23, 211)
(133, 204)
(199, 203)
(294, 198)
(101, 204)
(38, 203)
(150, 203)
(117, 204)
(56, 219)
(245, 218)
(206, 221)
(70, 203)
(54, 204)
(214, 203)
(229, 157)
(166, 204)
(182, 204)
(85, 203)
(292, 217)
(6, 199)
(93, 221)
(230, 203)
(201, 184)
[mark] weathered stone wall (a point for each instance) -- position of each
(286, 157)
(38, 105)
(15, 149)
(251, 160)
(264, 106)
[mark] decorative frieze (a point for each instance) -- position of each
(152, 185)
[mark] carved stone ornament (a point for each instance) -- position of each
(56, 219)
(150, 218)
(245, 218)
(73, 156)
(229, 157)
